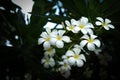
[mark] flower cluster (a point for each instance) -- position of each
(67, 47)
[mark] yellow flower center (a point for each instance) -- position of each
(71, 27)
(90, 40)
(59, 37)
(47, 39)
(65, 65)
(104, 24)
(49, 50)
(81, 26)
(76, 56)
(47, 60)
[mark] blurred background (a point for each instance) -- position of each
(21, 22)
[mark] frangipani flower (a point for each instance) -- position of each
(65, 69)
(45, 38)
(84, 26)
(58, 38)
(75, 58)
(49, 51)
(91, 41)
(64, 66)
(71, 26)
(104, 23)
(48, 62)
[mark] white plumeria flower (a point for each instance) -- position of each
(49, 51)
(84, 26)
(104, 23)
(48, 62)
(91, 41)
(64, 66)
(71, 26)
(75, 58)
(45, 38)
(58, 38)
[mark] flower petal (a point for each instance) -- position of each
(69, 53)
(106, 27)
(84, 20)
(67, 23)
(91, 46)
(83, 43)
(89, 25)
(66, 39)
(73, 21)
(85, 37)
(100, 19)
(98, 23)
(80, 63)
(40, 41)
(90, 31)
(111, 26)
(44, 34)
(53, 41)
(46, 45)
(71, 60)
(84, 31)
(61, 32)
(93, 36)
(97, 42)
(107, 21)
(82, 57)
(76, 50)
(59, 44)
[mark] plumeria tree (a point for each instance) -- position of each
(85, 47)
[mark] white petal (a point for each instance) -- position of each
(52, 63)
(106, 27)
(82, 57)
(85, 37)
(89, 25)
(76, 50)
(53, 41)
(46, 45)
(61, 32)
(97, 42)
(107, 21)
(91, 46)
(59, 44)
(98, 23)
(93, 36)
(111, 26)
(54, 33)
(71, 61)
(43, 61)
(66, 39)
(90, 31)
(77, 29)
(80, 63)
(73, 21)
(67, 23)
(84, 31)
(69, 53)
(48, 30)
(84, 20)
(46, 65)
(100, 19)
(41, 40)
(44, 34)
(83, 43)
